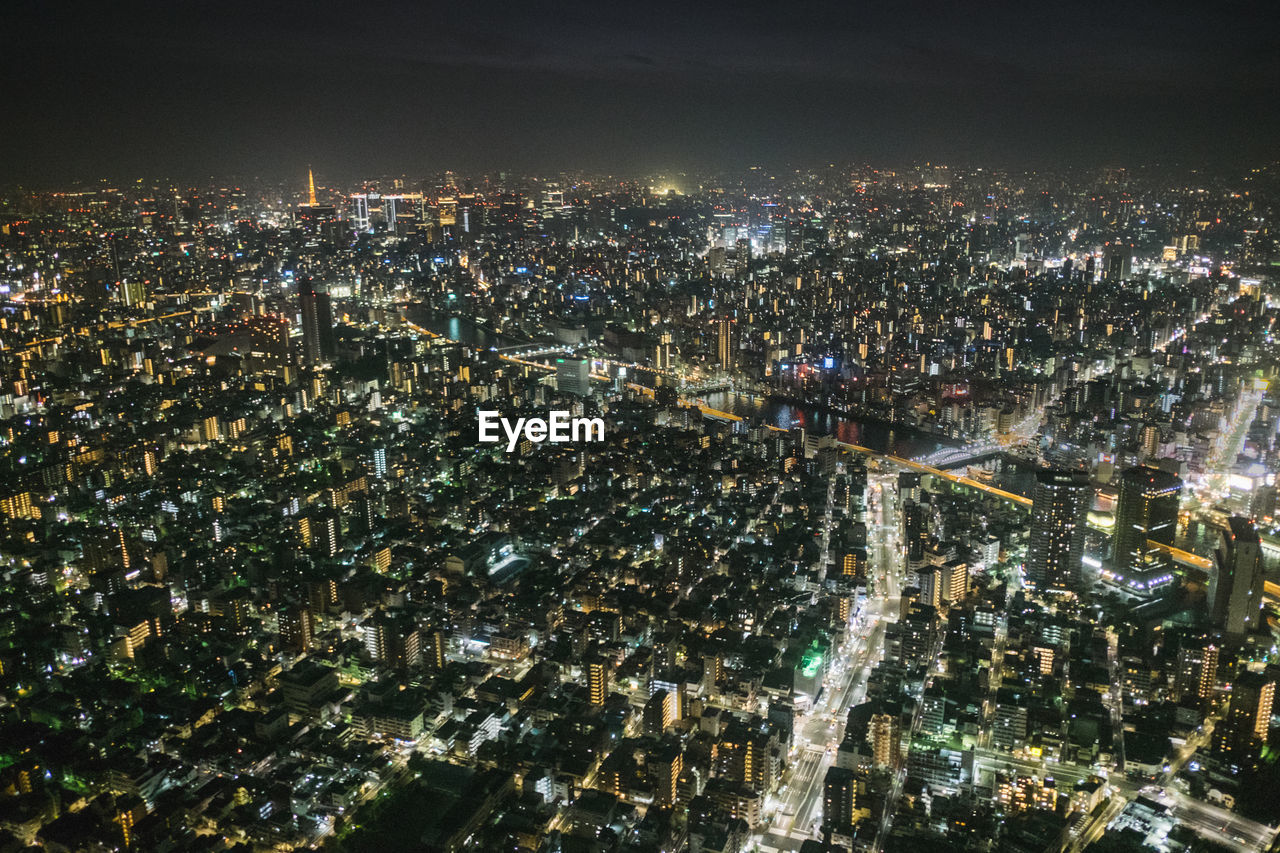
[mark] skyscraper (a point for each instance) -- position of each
(742, 257)
(1235, 590)
(1147, 509)
(573, 376)
(318, 342)
(1058, 506)
(915, 530)
(726, 346)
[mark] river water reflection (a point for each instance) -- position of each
(1010, 474)
(879, 436)
(876, 435)
(464, 331)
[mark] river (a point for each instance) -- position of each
(877, 435)
(1011, 473)
(464, 330)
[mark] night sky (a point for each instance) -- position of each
(187, 89)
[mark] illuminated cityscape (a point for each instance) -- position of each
(764, 503)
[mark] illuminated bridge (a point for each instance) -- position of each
(1179, 555)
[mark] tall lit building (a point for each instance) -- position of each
(318, 341)
(712, 672)
(661, 711)
(1117, 261)
(884, 735)
(662, 351)
(1235, 590)
(1058, 507)
(942, 586)
(956, 576)
(1248, 718)
(132, 293)
(128, 810)
(915, 530)
(573, 376)
(1252, 698)
(929, 579)
(726, 344)
(393, 639)
(666, 765)
(1147, 509)
(853, 563)
(297, 627)
(1197, 672)
(106, 548)
(742, 257)
(839, 800)
(325, 531)
(20, 504)
(268, 339)
(433, 648)
(1150, 441)
(597, 681)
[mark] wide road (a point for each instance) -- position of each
(794, 814)
(1218, 824)
(1215, 823)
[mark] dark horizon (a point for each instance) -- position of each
(123, 92)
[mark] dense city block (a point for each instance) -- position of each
(925, 508)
